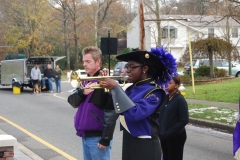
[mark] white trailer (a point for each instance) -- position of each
(19, 70)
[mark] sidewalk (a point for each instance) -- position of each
(22, 153)
(212, 103)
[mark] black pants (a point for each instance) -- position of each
(173, 147)
(34, 82)
(140, 148)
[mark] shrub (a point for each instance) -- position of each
(221, 73)
(204, 71)
(185, 79)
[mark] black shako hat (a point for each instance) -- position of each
(142, 57)
(159, 59)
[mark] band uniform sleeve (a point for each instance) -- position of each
(102, 100)
(110, 118)
(121, 101)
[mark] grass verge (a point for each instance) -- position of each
(217, 114)
(226, 91)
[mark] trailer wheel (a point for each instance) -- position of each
(22, 88)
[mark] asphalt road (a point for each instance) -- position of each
(44, 124)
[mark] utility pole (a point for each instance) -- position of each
(141, 23)
(109, 30)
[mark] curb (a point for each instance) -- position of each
(21, 152)
(214, 125)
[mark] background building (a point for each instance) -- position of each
(175, 38)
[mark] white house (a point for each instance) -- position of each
(180, 26)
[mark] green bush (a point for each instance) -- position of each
(221, 73)
(185, 79)
(204, 71)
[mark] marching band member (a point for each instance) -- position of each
(139, 105)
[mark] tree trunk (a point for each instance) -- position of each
(67, 53)
(75, 40)
(230, 50)
(212, 74)
(66, 40)
(159, 39)
(141, 25)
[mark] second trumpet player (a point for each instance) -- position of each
(93, 125)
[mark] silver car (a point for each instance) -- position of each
(220, 64)
(119, 70)
(235, 68)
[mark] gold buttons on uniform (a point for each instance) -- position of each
(147, 55)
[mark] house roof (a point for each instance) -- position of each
(196, 20)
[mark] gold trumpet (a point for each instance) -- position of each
(76, 80)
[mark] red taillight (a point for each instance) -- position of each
(185, 69)
(123, 71)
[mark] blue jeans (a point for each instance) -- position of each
(58, 85)
(91, 150)
(49, 83)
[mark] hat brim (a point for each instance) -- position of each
(142, 57)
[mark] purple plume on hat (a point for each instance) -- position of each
(170, 66)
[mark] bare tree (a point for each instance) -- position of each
(99, 10)
(154, 7)
(210, 48)
(62, 6)
(74, 7)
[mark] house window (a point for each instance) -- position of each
(234, 32)
(210, 32)
(173, 32)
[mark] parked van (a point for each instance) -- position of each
(220, 64)
(18, 71)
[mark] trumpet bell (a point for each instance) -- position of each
(75, 83)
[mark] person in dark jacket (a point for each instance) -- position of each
(47, 76)
(57, 77)
(139, 105)
(95, 126)
(172, 120)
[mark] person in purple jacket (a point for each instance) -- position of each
(94, 125)
(139, 105)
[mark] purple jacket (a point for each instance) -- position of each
(91, 121)
(88, 118)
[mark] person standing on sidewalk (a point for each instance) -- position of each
(95, 126)
(48, 75)
(57, 73)
(172, 120)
